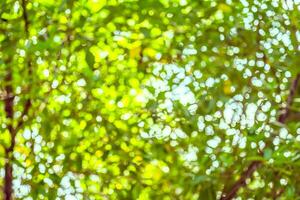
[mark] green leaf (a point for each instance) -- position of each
(268, 153)
(89, 58)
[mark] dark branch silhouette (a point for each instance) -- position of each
(9, 110)
(254, 165)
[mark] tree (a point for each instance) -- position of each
(156, 99)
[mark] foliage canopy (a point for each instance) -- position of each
(150, 99)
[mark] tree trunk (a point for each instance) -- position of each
(9, 110)
(8, 178)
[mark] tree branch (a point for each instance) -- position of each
(27, 103)
(286, 111)
(242, 181)
(27, 106)
(25, 17)
(283, 117)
